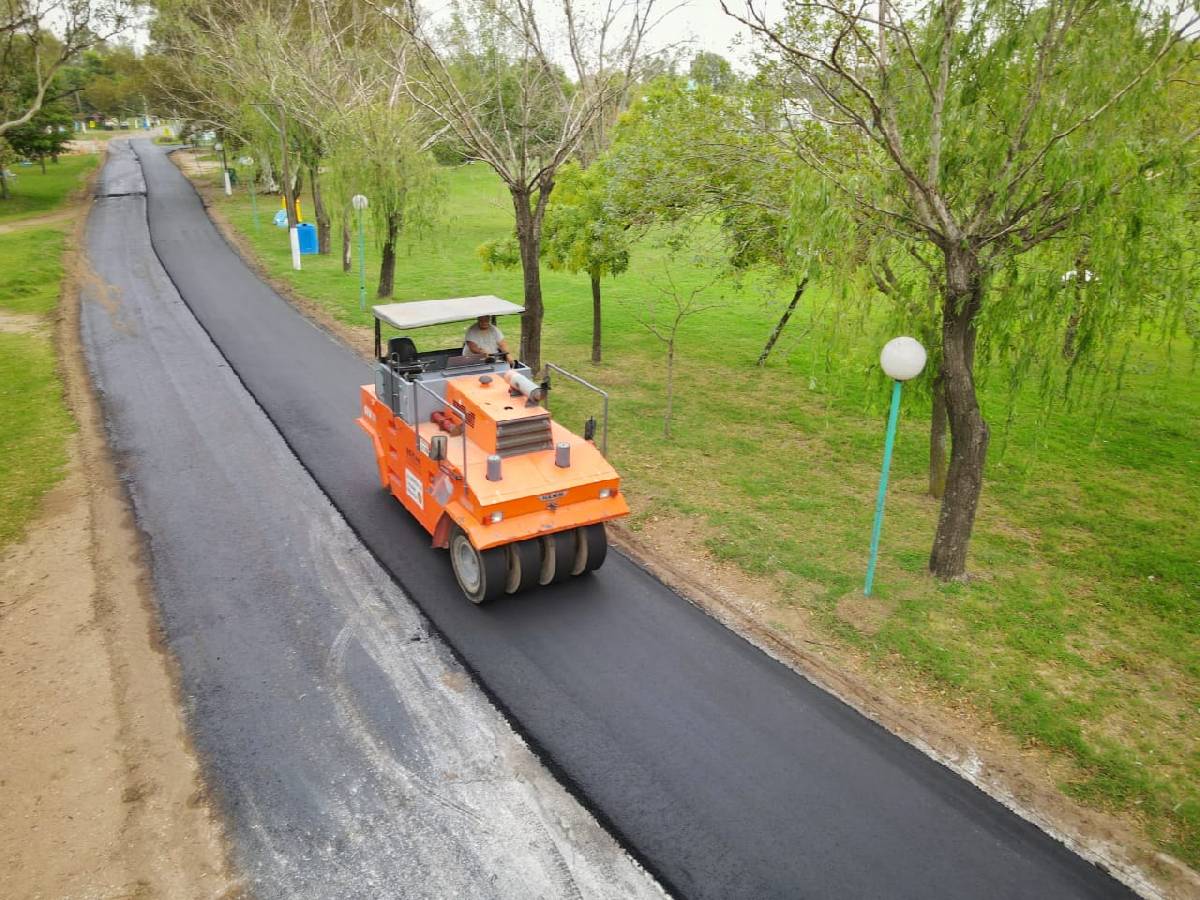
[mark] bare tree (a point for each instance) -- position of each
(979, 130)
(39, 37)
(520, 89)
(682, 304)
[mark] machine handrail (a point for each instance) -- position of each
(590, 387)
(454, 409)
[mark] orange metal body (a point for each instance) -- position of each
(535, 496)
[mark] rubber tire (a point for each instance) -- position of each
(492, 567)
(555, 547)
(597, 545)
(524, 565)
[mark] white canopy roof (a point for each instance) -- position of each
(419, 313)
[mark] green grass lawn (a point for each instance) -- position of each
(31, 193)
(34, 421)
(1081, 633)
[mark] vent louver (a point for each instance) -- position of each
(523, 435)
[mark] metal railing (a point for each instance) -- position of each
(590, 387)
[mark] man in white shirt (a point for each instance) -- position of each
(485, 338)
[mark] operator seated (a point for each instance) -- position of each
(485, 338)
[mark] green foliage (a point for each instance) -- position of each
(713, 72)
(583, 231)
(375, 150)
(46, 134)
(500, 254)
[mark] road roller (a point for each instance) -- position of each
(466, 443)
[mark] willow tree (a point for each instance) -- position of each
(379, 150)
(494, 81)
(977, 130)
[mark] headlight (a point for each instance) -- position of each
(495, 517)
(605, 493)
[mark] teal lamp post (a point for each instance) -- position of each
(247, 162)
(359, 202)
(902, 359)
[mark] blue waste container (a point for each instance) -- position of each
(308, 238)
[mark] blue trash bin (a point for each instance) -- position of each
(308, 238)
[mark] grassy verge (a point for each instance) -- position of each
(31, 193)
(34, 421)
(1081, 633)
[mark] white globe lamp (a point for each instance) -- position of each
(903, 358)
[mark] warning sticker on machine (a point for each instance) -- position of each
(412, 487)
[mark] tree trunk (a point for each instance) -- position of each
(595, 316)
(289, 196)
(387, 268)
(670, 386)
(346, 258)
(529, 215)
(968, 431)
(267, 175)
(937, 440)
(783, 320)
(42, 160)
(1068, 347)
(297, 190)
(3, 183)
(320, 212)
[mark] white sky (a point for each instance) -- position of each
(705, 25)
(695, 24)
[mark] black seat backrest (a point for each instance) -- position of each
(402, 351)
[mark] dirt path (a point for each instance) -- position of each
(100, 792)
(62, 215)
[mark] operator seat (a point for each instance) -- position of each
(402, 355)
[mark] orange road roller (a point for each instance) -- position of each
(465, 441)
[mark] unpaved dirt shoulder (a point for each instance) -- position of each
(1023, 778)
(100, 792)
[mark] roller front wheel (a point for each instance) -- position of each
(480, 574)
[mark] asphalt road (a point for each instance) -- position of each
(349, 751)
(729, 775)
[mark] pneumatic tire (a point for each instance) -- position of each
(480, 574)
(524, 565)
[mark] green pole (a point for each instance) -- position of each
(362, 266)
(888, 443)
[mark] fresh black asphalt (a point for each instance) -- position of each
(727, 773)
(346, 748)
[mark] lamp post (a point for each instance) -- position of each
(224, 168)
(902, 359)
(360, 203)
(246, 162)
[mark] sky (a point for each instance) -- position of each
(692, 25)
(705, 24)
